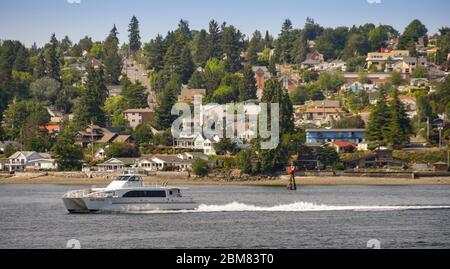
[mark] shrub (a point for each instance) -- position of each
(200, 168)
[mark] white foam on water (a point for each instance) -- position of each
(294, 207)
(305, 207)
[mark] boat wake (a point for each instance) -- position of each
(295, 207)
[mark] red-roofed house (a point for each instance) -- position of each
(343, 147)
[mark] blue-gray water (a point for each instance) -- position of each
(238, 217)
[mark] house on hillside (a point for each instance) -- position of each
(136, 117)
(94, 134)
(354, 136)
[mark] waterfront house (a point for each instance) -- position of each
(376, 159)
(136, 117)
(116, 165)
(354, 136)
(30, 161)
(440, 167)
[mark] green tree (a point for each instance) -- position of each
(45, 89)
(68, 155)
(420, 72)
(24, 117)
(38, 143)
(232, 46)
(111, 58)
(413, 32)
(424, 109)
(154, 52)
(88, 108)
(223, 95)
(200, 167)
(255, 46)
(244, 161)
(97, 50)
(399, 125)
(214, 72)
(247, 86)
(122, 150)
(166, 100)
(135, 95)
(378, 124)
(134, 36)
(9, 150)
(52, 59)
(396, 78)
(143, 134)
(274, 93)
(285, 43)
(214, 37)
(200, 50)
(378, 38)
(197, 80)
(328, 156)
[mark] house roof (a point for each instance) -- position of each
(139, 110)
(122, 138)
(323, 110)
(343, 144)
(107, 137)
(31, 155)
(334, 130)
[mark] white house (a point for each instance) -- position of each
(208, 148)
(30, 160)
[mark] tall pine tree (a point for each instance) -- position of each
(378, 125)
(247, 87)
(111, 58)
(134, 36)
(88, 108)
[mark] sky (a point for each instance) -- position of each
(35, 20)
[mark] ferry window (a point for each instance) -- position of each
(145, 194)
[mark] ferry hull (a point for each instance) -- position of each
(118, 205)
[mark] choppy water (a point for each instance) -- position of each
(238, 217)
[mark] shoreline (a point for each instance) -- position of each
(278, 182)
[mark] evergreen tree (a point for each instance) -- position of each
(40, 68)
(274, 93)
(214, 72)
(247, 87)
(166, 100)
(66, 44)
(155, 52)
(285, 43)
(183, 28)
(214, 50)
(68, 154)
(232, 46)
(378, 124)
(201, 54)
(301, 49)
(134, 36)
(255, 46)
(111, 58)
(135, 95)
(88, 108)
(399, 125)
(52, 60)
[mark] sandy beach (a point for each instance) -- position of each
(282, 181)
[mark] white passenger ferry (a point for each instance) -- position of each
(127, 193)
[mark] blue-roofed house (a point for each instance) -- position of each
(354, 136)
